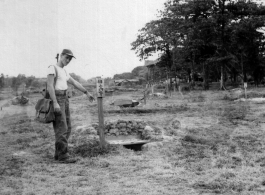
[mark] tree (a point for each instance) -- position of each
(139, 72)
(29, 81)
(17, 81)
(215, 38)
(2, 81)
(36, 83)
(125, 75)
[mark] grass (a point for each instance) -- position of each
(218, 149)
(93, 149)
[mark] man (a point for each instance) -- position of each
(58, 94)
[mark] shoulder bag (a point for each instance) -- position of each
(44, 107)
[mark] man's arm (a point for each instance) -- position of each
(51, 90)
(78, 85)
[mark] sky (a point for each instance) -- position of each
(99, 33)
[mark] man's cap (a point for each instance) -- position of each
(68, 52)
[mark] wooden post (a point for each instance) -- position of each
(245, 86)
(169, 87)
(100, 94)
(101, 122)
(166, 88)
(144, 98)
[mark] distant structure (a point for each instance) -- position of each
(126, 82)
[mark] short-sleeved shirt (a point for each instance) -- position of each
(62, 77)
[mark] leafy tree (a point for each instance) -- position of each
(17, 81)
(2, 80)
(29, 81)
(36, 83)
(214, 38)
(125, 75)
(140, 72)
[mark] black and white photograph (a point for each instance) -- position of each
(132, 97)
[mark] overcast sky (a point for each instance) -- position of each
(99, 33)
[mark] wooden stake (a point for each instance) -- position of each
(245, 86)
(100, 95)
(101, 122)
(144, 98)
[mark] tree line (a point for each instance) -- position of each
(217, 39)
(21, 79)
(33, 82)
(139, 72)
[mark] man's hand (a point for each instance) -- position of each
(57, 109)
(90, 97)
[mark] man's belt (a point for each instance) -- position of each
(60, 92)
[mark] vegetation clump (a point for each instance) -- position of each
(93, 149)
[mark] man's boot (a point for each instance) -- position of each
(66, 158)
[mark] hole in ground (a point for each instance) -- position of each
(135, 147)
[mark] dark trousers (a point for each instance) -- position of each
(62, 125)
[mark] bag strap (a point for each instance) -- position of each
(55, 80)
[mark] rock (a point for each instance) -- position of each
(80, 129)
(134, 123)
(15, 101)
(108, 126)
(113, 131)
(122, 125)
(152, 146)
(176, 124)
(148, 128)
(147, 132)
(93, 132)
(95, 125)
(83, 130)
(123, 130)
(121, 121)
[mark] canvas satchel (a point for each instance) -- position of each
(44, 107)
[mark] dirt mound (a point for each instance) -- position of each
(197, 140)
(253, 94)
(167, 109)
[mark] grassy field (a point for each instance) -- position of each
(218, 149)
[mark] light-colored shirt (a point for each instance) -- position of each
(62, 77)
